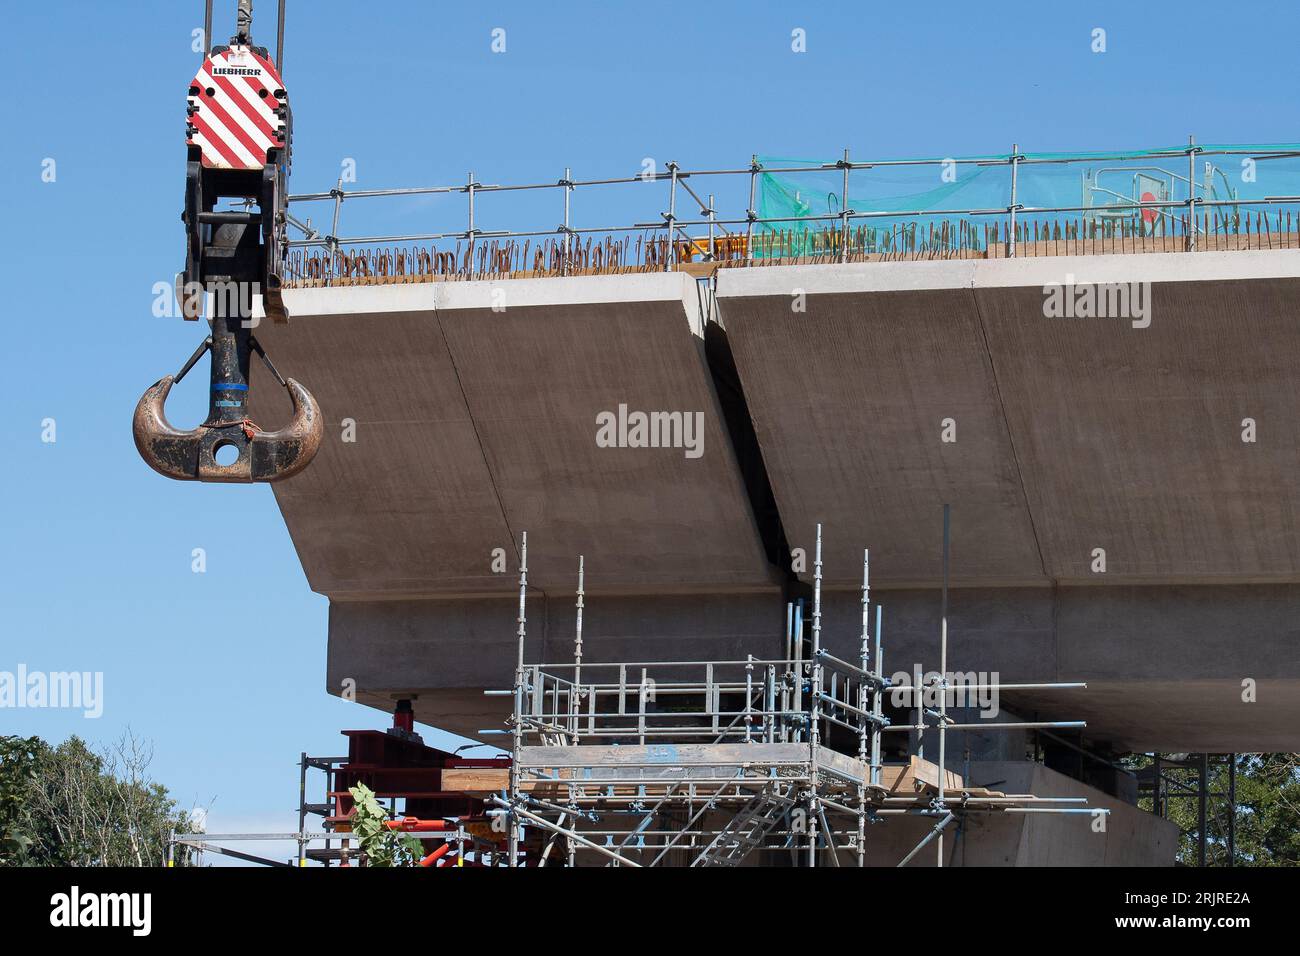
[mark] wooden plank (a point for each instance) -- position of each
(476, 779)
(899, 779)
(927, 774)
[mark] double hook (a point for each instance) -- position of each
(260, 455)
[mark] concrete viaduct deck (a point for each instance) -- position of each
(825, 393)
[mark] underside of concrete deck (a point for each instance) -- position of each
(475, 408)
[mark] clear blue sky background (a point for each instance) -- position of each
(224, 671)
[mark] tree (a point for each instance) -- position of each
(21, 760)
(70, 806)
(1268, 817)
(1266, 825)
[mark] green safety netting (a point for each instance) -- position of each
(961, 202)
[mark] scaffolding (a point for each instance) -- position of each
(314, 844)
(1211, 827)
(703, 763)
(412, 781)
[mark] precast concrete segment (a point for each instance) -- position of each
(399, 499)
(1071, 434)
(476, 405)
(850, 400)
(1131, 439)
(541, 379)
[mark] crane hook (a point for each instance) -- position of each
(261, 455)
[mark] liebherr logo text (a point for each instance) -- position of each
(236, 71)
(74, 908)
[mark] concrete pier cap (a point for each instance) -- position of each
(474, 405)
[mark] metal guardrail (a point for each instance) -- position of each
(739, 229)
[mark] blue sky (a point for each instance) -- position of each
(224, 671)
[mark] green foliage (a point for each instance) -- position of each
(21, 761)
(382, 846)
(70, 806)
(1268, 817)
(1267, 821)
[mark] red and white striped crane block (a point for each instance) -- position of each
(234, 114)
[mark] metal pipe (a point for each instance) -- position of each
(1011, 210)
(844, 209)
(943, 651)
(540, 821)
(551, 718)
(831, 718)
(1091, 811)
(1020, 725)
(332, 240)
(938, 829)
(207, 28)
(877, 704)
(575, 701)
(789, 630)
(517, 728)
(1232, 809)
(681, 224)
(750, 214)
(740, 663)
(1202, 806)
(302, 807)
(829, 833)
(672, 217)
(712, 216)
(840, 664)
(568, 237)
(815, 695)
(279, 42)
(866, 715)
(685, 829)
(470, 233)
(863, 694)
(749, 696)
(1157, 779)
(441, 851)
(798, 662)
(690, 687)
(1027, 798)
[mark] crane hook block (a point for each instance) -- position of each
(191, 455)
